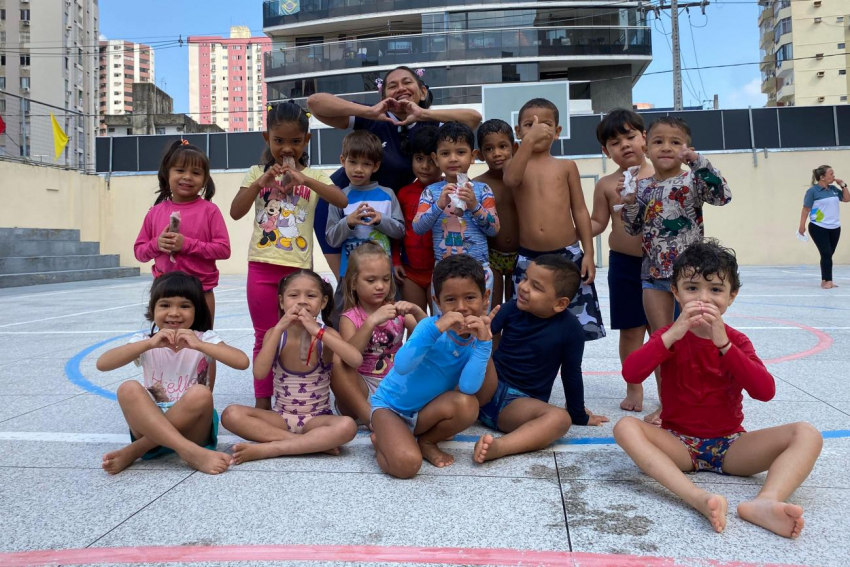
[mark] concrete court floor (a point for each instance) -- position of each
(581, 502)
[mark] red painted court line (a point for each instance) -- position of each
(824, 342)
(346, 553)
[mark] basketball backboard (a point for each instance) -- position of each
(504, 101)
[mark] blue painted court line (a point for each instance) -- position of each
(73, 373)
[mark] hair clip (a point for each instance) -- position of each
(184, 142)
(420, 72)
(269, 108)
(379, 83)
(326, 280)
(308, 115)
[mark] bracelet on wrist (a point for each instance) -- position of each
(720, 348)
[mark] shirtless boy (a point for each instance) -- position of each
(622, 135)
(553, 216)
(496, 145)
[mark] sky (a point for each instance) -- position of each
(727, 34)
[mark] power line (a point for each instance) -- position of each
(696, 56)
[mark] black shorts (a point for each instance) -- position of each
(624, 290)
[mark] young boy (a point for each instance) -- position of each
(539, 339)
(429, 395)
(496, 147)
(550, 204)
(622, 135)
(666, 212)
(705, 365)
(460, 217)
(373, 212)
(413, 260)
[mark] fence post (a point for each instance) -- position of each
(753, 137)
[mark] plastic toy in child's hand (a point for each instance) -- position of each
(174, 226)
(458, 203)
(286, 179)
(629, 184)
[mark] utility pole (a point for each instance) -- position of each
(677, 56)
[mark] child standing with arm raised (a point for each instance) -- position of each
(706, 365)
(666, 212)
(283, 193)
(496, 147)
(553, 217)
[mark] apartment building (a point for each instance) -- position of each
(804, 55)
(48, 65)
(342, 47)
(226, 80)
(122, 63)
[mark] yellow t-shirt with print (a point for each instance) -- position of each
(283, 224)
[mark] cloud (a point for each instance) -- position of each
(102, 37)
(747, 95)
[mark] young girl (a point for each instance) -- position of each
(373, 325)
(201, 237)
(173, 410)
(299, 352)
(284, 194)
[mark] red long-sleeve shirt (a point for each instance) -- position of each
(700, 389)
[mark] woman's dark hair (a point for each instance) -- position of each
(461, 266)
(424, 140)
(617, 122)
(818, 173)
(494, 126)
(708, 259)
(424, 102)
(284, 113)
(183, 154)
(324, 286)
(181, 284)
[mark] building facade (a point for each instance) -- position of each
(226, 80)
(122, 63)
(153, 115)
(49, 63)
(804, 55)
(342, 47)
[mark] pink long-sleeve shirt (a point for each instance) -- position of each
(205, 240)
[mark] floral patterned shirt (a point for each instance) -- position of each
(668, 214)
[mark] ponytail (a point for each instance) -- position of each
(818, 173)
(182, 153)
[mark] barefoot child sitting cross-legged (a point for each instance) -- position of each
(705, 365)
(172, 411)
(429, 395)
(539, 338)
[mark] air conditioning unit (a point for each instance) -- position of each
(819, 56)
(25, 22)
(25, 89)
(821, 98)
(818, 20)
(820, 74)
(817, 3)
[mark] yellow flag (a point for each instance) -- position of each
(60, 139)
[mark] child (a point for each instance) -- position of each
(201, 237)
(301, 421)
(551, 209)
(622, 137)
(540, 338)
(372, 212)
(666, 211)
(428, 396)
(705, 365)
(414, 260)
(373, 324)
(496, 146)
(460, 217)
(282, 241)
(173, 411)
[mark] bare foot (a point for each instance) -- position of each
(334, 451)
(433, 454)
(779, 517)
(245, 452)
(116, 461)
(714, 508)
(482, 446)
(654, 418)
(206, 461)
(634, 398)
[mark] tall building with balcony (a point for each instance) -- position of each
(226, 80)
(342, 47)
(48, 64)
(122, 63)
(804, 55)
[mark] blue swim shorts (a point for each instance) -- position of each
(488, 414)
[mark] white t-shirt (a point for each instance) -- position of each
(174, 372)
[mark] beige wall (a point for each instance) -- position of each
(759, 223)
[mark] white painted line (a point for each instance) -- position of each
(47, 293)
(361, 440)
(71, 315)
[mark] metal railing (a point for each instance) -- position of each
(29, 135)
(459, 46)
